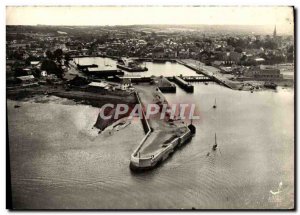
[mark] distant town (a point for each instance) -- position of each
(40, 50)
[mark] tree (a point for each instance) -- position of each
(290, 49)
(17, 55)
(269, 44)
(290, 57)
(67, 57)
(31, 58)
(36, 73)
(20, 72)
(58, 54)
(49, 55)
(238, 50)
(51, 67)
(243, 58)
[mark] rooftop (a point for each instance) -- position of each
(26, 77)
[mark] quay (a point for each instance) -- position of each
(198, 78)
(85, 66)
(162, 137)
(138, 79)
(155, 60)
(201, 78)
(100, 73)
(183, 84)
(165, 86)
(134, 79)
(206, 73)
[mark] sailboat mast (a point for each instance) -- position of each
(215, 139)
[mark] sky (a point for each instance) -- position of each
(282, 17)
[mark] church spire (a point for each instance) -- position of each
(274, 33)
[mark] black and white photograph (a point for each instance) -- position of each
(150, 107)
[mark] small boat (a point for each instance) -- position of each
(130, 65)
(215, 145)
(270, 85)
(205, 83)
(17, 106)
(215, 105)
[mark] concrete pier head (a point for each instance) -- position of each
(162, 136)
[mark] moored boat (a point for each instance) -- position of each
(130, 65)
(270, 85)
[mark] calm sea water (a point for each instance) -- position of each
(59, 161)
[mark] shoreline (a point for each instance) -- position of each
(161, 136)
(223, 80)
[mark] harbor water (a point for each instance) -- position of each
(59, 162)
(157, 69)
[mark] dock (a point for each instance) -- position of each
(134, 79)
(199, 78)
(85, 66)
(154, 60)
(205, 73)
(101, 73)
(162, 137)
(182, 83)
(165, 86)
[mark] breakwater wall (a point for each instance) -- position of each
(140, 162)
(104, 73)
(145, 123)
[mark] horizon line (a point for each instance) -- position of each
(139, 24)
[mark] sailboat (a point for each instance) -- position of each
(215, 105)
(215, 145)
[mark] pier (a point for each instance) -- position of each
(183, 84)
(85, 66)
(100, 73)
(148, 59)
(162, 137)
(134, 79)
(202, 71)
(165, 86)
(199, 78)
(196, 78)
